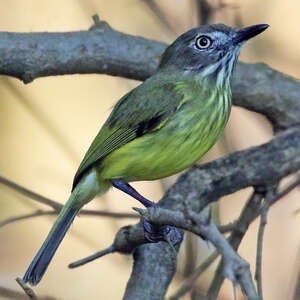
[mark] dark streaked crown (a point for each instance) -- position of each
(183, 52)
(207, 45)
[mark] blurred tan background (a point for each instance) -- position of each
(46, 127)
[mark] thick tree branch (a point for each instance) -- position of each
(262, 165)
(153, 269)
(103, 50)
(100, 50)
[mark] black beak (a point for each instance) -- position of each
(247, 33)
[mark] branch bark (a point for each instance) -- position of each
(100, 50)
(153, 269)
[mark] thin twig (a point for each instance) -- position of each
(55, 205)
(34, 196)
(126, 240)
(282, 193)
(103, 213)
(248, 214)
(38, 213)
(205, 12)
(28, 291)
(260, 236)
(85, 212)
(227, 228)
(42, 118)
(92, 257)
(251, 211)
(161, 16)
(270, 193)
(296, 292)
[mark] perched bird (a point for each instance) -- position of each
(161, 127)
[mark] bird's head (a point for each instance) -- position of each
(209, 50)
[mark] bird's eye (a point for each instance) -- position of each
(203, 42)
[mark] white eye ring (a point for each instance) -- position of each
(203, 42)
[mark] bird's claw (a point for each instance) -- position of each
(157, 233)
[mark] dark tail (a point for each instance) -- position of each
(42, 259)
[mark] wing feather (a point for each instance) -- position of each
(150, 107)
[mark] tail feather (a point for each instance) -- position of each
(42, 259)
(85, 191)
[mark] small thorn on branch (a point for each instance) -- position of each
(141, 211)
(96, 19)
(28, 291)
(98, 24)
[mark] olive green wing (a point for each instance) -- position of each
(144, 109)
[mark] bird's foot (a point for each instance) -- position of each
(153, 233)
(157, 233)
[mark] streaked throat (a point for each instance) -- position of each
(221, 71)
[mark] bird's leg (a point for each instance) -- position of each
(128, 189)
(154, 233)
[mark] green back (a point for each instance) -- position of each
(142, 110)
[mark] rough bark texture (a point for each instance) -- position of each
(153, 269)
(100, 50)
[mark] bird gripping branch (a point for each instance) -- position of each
(160, 128)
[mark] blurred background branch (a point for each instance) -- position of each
(53, 204)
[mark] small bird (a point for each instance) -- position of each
(160, 128)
